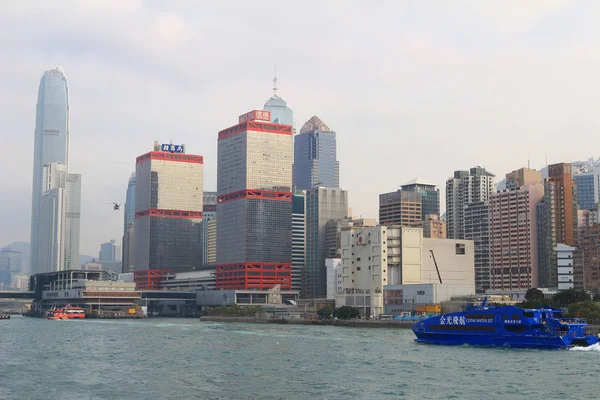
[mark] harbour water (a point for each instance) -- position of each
(189, 359)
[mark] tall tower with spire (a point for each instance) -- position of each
(56, 192)
(280, 112)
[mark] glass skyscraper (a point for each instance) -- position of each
(315, 158)
(51, 152)
(168, 211)
(280, 112)
(128, 246)
(254, 211)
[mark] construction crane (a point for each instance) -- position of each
(436, 266)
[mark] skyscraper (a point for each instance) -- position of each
(513, 234)
(400, 208)
(322, 205)
(464, 188)
(280, 112)
(209, 213)
(51, 145)
(315, 159)
(58, 233)
(254, 211)
(110, 251)
(298, 238)
(430, 196)
(559, 214)
(586, 190)
(168, 210)
(128, 244)
(129, 214)
(477, 228)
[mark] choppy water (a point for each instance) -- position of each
(187, 359)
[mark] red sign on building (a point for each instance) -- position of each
(255, 115)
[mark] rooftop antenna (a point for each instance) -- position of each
(275, 80)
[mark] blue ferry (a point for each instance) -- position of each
(508, 326)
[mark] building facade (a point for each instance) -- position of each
(586, 190)
(464, 188)
(586, 269)
(521, 177)
(322, 205)
(168, 198)
(209, 213)
(315, 156)
(558, 214)
(128, 246)
(51, 145)
(58, 228)
(376, 257)
(334, 277)
(400, 208)
(434, 227)
(564, 266)
(254, 211)
(513, 238)
(298, 239)
(109, 251)
(430, 196)
(477, 228)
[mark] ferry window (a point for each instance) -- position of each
(505, 316)
(529, 314)
(516, 316)
(514, 328)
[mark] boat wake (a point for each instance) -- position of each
(594, 347)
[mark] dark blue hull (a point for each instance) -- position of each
(530, 342)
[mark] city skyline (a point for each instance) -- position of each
(460, 99)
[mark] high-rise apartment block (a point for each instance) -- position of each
(521, 177)
(298, 238)
(477, 228)
(315, 158)
(56, 195)
(557, 220)
(322, 205)
(400, 208)
(168, 211)
(254, 211)
(464, 188)
(430, 196)
(513, 233)
(586, 269)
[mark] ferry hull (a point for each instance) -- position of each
(531, 342)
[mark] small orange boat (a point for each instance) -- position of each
(57, 314)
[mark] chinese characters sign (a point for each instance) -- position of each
(256, 115)
(172, 148)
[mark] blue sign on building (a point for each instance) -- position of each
(172, 148)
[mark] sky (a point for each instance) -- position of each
(412, 88)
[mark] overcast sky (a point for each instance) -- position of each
(412, 88)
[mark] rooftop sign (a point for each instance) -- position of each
(256, 115)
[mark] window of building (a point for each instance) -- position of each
(358, 268)
(460, 249)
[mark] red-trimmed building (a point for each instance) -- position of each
(254, 210)
(168, 209)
